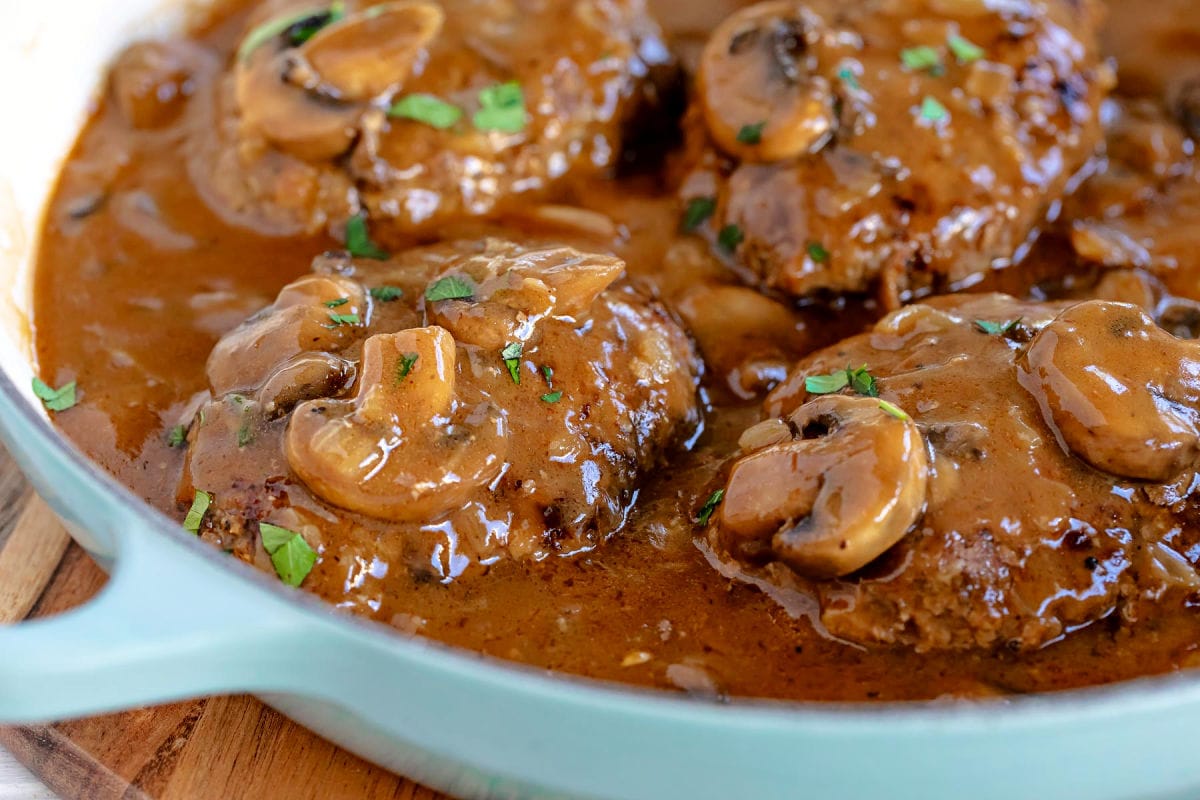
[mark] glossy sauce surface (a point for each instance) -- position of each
(139, 278)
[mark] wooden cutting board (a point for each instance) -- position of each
(223, 748)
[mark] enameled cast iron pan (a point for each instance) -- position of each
(179, 619)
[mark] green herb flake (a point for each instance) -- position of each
(299, 28)
(59, 399)
(997, 328)
(195, 514)
(751, 134)
(710, 505)
(291, 556)
(451, 287)
(932, 110)
(341, 301)
(177, 437)
(827, 384)
(729, 237)
(894, 410)
(245, 434)
(273, 537)
(698, 210)
(343, 319)
(358, 239)
(860, 380)
(553, 397)
(405, 365)
(501, 108)
(922, 58)
(964, 49)
(386, 294)
(847, 76)
(512, 359)
(817, 252)
(549, 375)
(425, 108)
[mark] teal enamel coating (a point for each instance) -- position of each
(180, 619)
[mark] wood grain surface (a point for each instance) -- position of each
(224, 748)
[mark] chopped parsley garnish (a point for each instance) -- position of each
(343, 319)
(922, 58)
(195, 515)
(177, 437)
(433, 111)
(964, 49)
(552, 396)
(358, 240)
(298, 28)
(512, 359)
(291, 556)
(245, 434)
(341, 301)
(698, 210)
(710, 505)
(848, 77)
(501, 108)
(730, 237)
(827, 384)
(860, 380)
(894, 410)
(932, 110)
(450, 287)
(751, 134)
(386, 294)
(997, 328)
(817, 252)
(59, 399)
(405, 365)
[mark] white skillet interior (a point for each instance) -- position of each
(53, 57)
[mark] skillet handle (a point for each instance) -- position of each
(168, 625)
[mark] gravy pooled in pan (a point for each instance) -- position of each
(572, 332)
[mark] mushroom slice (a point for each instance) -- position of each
(293, 119)
(760, 92)
(305, 377)
(405, 448)
(846, 483)
(314, 313)
(513, 289)
(373, 51)
(1123, 394)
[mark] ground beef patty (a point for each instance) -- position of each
(905, 145)
(449, 407)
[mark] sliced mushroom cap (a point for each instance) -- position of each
(373, 51)
(1123, 393)
(829, 491)
(514, 290)
(761, 95)
(151, 81)
(300, 320)
(305, 377)
(290, 117)
(309, 100)
(403, 448)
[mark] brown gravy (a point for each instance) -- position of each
(137, 279)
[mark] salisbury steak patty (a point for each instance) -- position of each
(976, 471)
(909, 144)
(483, 399)
(421, 113)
